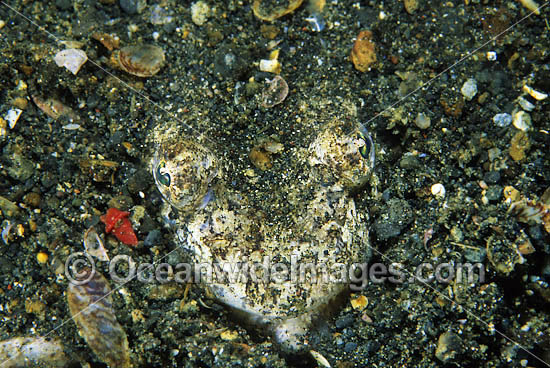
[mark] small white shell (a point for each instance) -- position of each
(72, 59)
(12, 116)
(438, 190)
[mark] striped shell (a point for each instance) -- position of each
(92, 310)
(140, 60)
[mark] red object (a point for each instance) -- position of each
(117, 222)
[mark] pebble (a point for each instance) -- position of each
(345, 321)
(260, 158)
(474, 255)
(410, 6)
(64, 4)
(20, 168)
(360, 302)
(502, 120)
(393, 219)
(525, 104)
(133, 6)
(275, 11)
(469, 89)
(270, 66)
(449, 346)
(42, 257)
(519, 145)
(232, 63)
(139, 182)
(422, 121)
(159, 15)
(409, 161)
(32, 199)
(491, 177)
(350, 346)
(121, 202)
(8, 207)
(200, 12)
(363, 54)
(494, 193)
(153, 238)
(537, 95)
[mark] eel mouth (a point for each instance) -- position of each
(292, 335)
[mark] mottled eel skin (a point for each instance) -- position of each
(219, 224)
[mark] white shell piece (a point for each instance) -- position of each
(270, 66)
(522, 121)
(525, 105)
(438, 190)
(535, 94)
(72, 59)
(12, 116)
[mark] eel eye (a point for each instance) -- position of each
(163, 177)
(367, 149)
(364, 150)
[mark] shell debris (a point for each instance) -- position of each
(98, 325)
(32, 352)
(531, 5)
(539, 96)
(13, 116)
(71, 59)
(140, 60)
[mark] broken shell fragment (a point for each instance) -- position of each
(109, 41)
(91, 308)
(94, 245)
(270, 66)
(531, 5)
(277, 12)
(32, 352)
(275, 93)
(522, 121)
(260, 155)
(72, 59)
(54, 108)
(12, 116)
(140, 60)
(539, 96)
